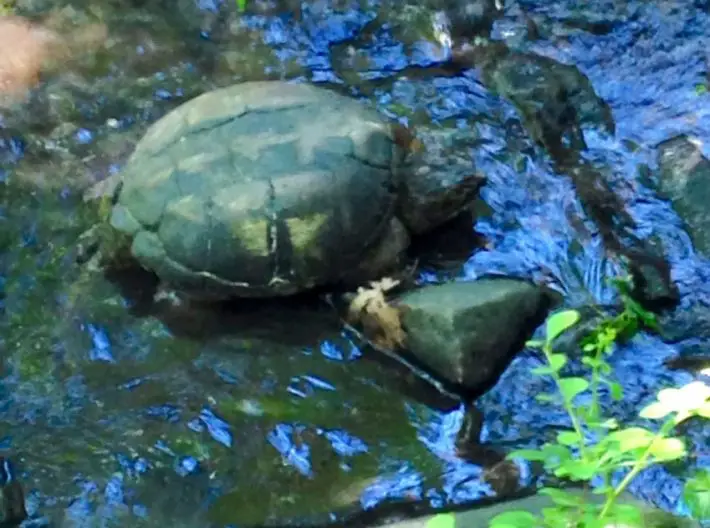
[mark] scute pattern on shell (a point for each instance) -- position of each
(259, 189)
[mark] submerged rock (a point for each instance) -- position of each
(693, 358)
(692, 322)
(685, 181)
(643, 258)
(482, 516)
(12, 498)
(467, 333)
(555, 100)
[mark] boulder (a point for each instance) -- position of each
(685, 181)
(467, 333)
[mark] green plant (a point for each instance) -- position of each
(595, 446)
(697, 495)
(7, 7)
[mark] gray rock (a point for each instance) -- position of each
(692, 322)
(481, 517)
(466, 333)
(685, 181)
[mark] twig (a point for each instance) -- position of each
(420, 373)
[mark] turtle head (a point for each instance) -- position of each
(440, 181)
(405, 138)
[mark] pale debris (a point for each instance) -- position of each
(380, 320)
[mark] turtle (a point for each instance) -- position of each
(269, 189)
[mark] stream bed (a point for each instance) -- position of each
(272, 414)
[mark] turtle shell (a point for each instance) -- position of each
(259, 189)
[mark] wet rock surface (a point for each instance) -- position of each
(683, 179)
(555, 100)
(468, 332)
(653, 518)
(250, 416)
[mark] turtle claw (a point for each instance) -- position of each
(87, 246)
(168, 296)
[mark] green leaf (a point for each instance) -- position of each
(545, 398)
(616, 390)
(559, 322)
(687, 399)
(691, 399)
(700, 481)
(604, 368)
(577, 470)
(569, 438)
(528, 454)
(667, 449)
(514, 519)
(699, 505)
(557, 361)
(558, 517)
(611, 423)
(442, 520)
(590, 361)
(241, 5)
(570, 387)
(626, 515)
(556, 451)
(631, 438)
(562, 497)
(655, 411)
(602, 489)
(535, 344)
(696, 494)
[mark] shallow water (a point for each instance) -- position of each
(273, 413)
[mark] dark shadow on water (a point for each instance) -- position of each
(295, 322)
(390, 511)
(445, 249)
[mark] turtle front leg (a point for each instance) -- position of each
(87, 246)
